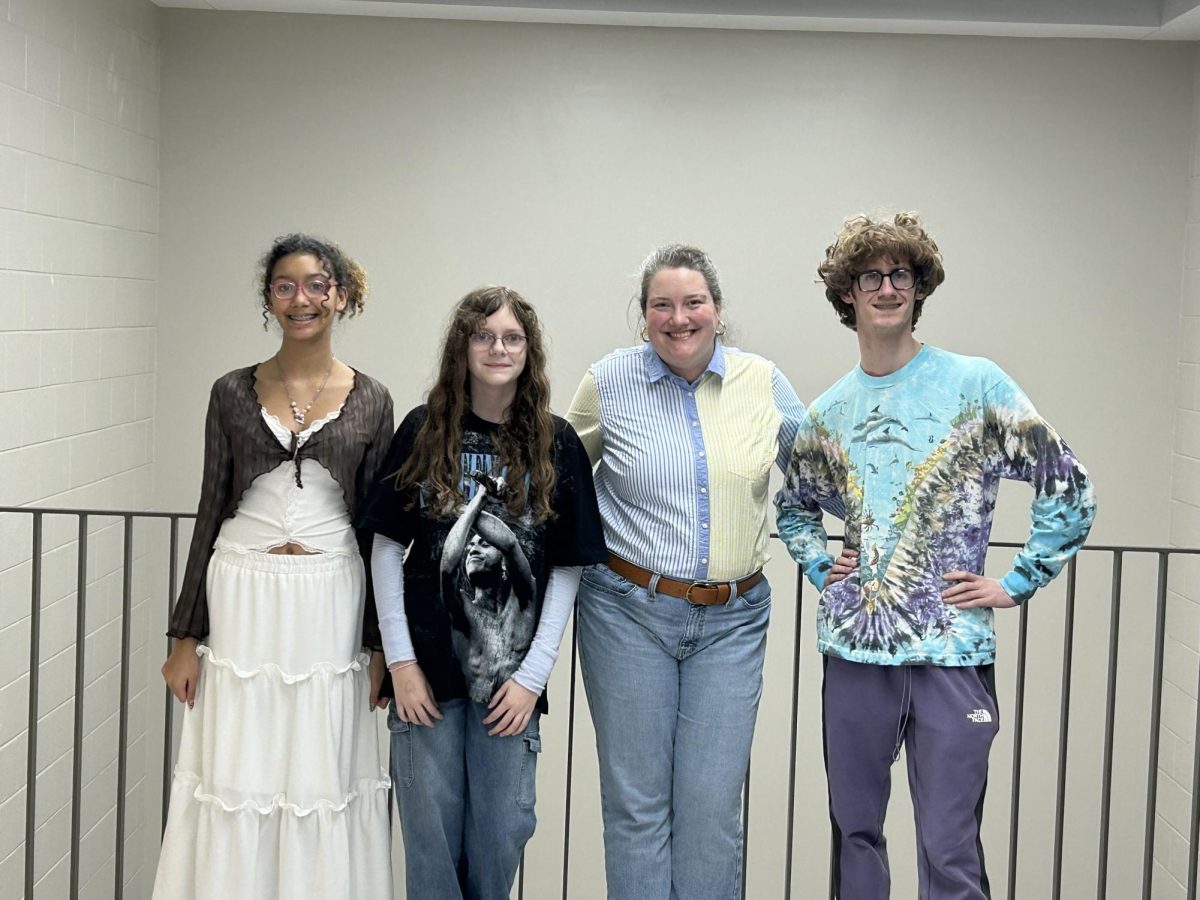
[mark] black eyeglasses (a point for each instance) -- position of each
(872, 280)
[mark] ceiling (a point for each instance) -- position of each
(1129, 19)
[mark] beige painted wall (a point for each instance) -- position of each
(444, 155)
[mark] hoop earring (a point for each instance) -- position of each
(721, 327)
(644, 333)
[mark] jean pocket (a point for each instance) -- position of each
(527, 783)
(601, 578)
(400, 757)
(757, 597)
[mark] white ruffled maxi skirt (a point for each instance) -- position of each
(278, 791)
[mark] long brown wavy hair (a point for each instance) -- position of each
(524, 441)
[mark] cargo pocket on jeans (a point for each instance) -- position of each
(400, 755)
(527, 783)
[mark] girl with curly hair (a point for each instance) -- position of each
(278, 789)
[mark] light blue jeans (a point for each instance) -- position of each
(466, 802)
(674, 691)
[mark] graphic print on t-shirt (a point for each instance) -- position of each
(488, 584)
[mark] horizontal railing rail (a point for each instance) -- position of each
(1161, 557)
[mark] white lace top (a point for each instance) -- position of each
(275, 510)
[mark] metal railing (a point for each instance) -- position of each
(1119, 554)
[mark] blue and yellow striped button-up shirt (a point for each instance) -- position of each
(682, 469)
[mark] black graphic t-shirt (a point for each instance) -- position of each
(474, 582)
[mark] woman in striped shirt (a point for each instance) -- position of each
(682, 432)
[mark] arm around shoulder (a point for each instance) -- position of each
(584, 416)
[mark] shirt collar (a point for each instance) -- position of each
(656, 369)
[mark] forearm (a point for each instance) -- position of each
(802, 532)
(535, 669)
(387, 573)
(1059, 528)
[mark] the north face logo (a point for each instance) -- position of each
(979, 716)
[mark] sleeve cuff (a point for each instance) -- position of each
(817, 571)
(1018, 586)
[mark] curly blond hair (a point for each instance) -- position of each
(863, 239)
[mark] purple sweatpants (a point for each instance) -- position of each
(946, 718)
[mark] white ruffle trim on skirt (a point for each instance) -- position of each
(279, 792)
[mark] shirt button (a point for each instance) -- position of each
(704, 490)
(705, 560)
(703, 524)
(701, 453)
(695, 423)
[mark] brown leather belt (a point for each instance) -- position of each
(702, 593)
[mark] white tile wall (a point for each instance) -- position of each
(1183, 619)
(79, 93)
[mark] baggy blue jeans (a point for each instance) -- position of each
(466, 802)
(674, 690)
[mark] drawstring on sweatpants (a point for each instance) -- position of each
(905, 702)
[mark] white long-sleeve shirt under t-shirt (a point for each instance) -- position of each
(387, 573)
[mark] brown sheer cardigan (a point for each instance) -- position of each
(239, 447)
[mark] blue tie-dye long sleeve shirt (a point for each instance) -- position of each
(914, 459)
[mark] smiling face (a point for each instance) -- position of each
(300, 316)
(494, 367)
(681, 321)
(481, 556)
(885, 312)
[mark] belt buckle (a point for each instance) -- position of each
(700, 584)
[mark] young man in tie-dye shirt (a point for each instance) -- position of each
(912, 444)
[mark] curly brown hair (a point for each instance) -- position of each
(524, 441)
(350, 277)
(863, 239)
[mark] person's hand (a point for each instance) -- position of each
(511, 707)
(414, 699)
(181, 671)
(972, 591)
(376, 669)
(843, 566)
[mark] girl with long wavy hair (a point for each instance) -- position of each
(483, 522)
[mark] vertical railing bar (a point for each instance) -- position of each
(793, 743)
(35, 642)
(745, 824)
(1064, 718)
(521, 877)
(1018, 732)
(123, 707)
(1110, 718)
(1194, 831)
(77, 758)
(169, 712)
(570, 751)
(1160, 623)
